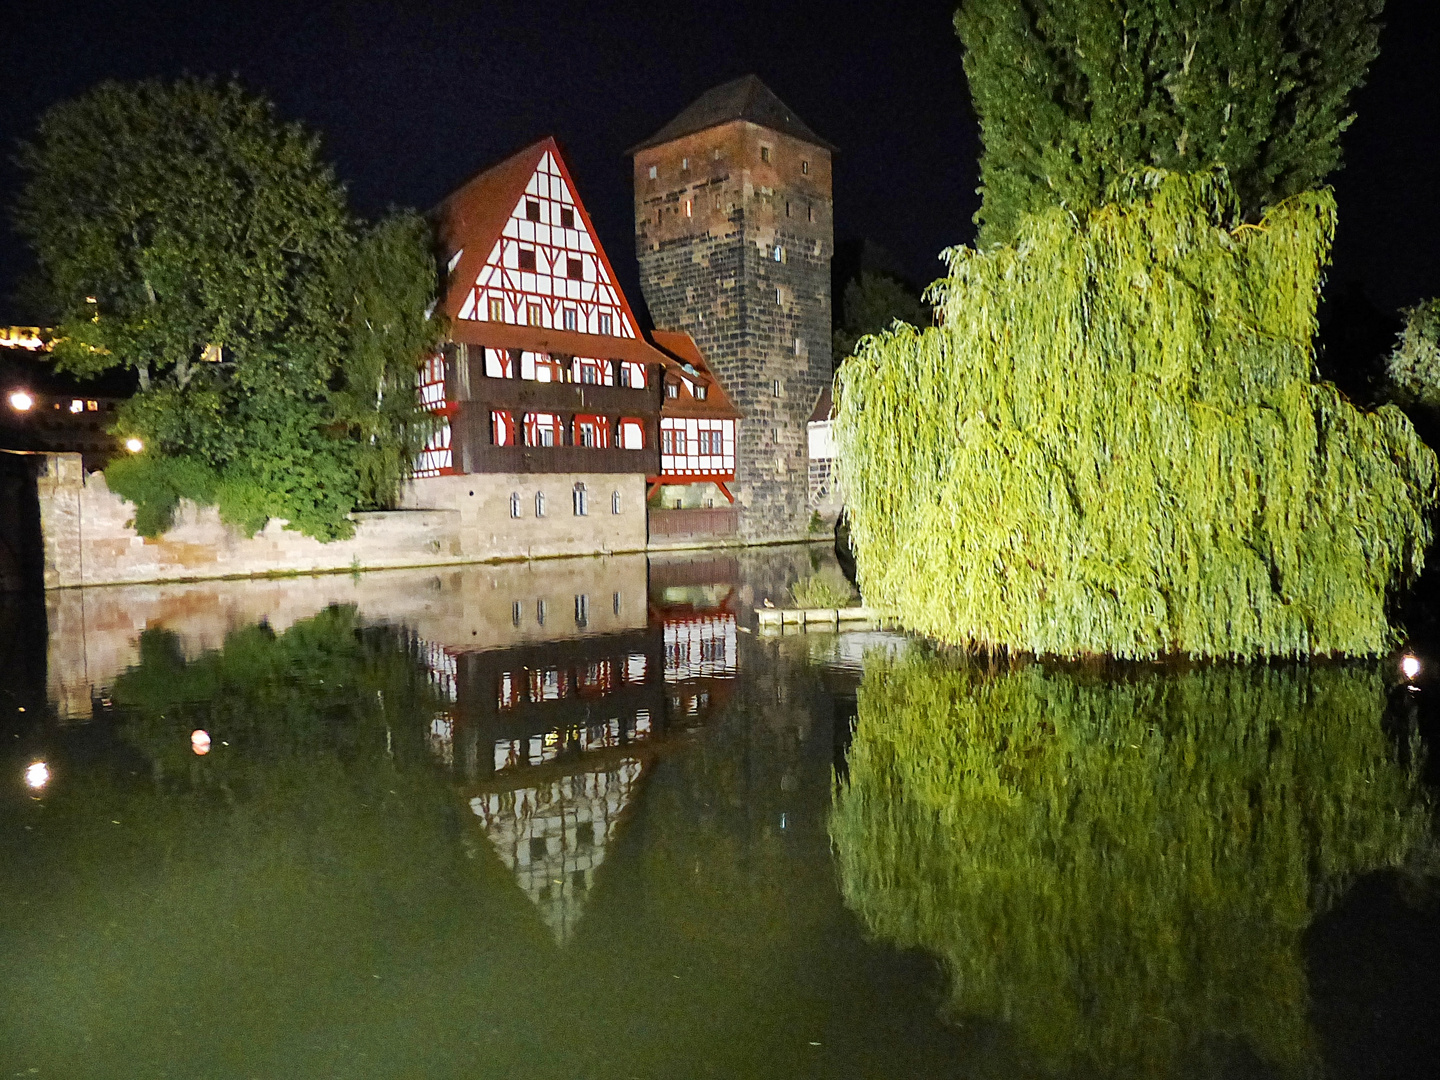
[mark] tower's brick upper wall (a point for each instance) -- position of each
(708, 224)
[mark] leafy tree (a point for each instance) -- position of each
(183, 232)
(1113, 444)
(870, 304)
(1074, 94)
(1414, 365)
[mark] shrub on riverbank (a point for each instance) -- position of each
(1114, 443)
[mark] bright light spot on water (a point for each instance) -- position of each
(200, 741)
(1409, 666)
(37, 775)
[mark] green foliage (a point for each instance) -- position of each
(1114, 444)
(172, 220)
(1121, 871)
(157, 484)
(822, 591)
(871, 303)
(1414, 365)
(1072, 95)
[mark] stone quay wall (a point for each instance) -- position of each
(89, 539)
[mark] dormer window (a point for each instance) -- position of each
(672, 390)
(532, 210)
(699, 390)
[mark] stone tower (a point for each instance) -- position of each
(734, 233)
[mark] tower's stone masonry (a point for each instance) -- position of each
(734, 233)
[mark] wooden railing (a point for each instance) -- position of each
(694, 523)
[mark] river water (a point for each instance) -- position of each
(579, 819)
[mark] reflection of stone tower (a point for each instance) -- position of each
(733, 229)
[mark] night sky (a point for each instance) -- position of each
(413, 98)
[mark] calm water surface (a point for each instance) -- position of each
(574, 819)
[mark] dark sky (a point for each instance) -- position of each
(412, 98)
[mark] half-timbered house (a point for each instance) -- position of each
(547, 393)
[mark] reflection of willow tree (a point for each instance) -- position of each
(1121, 871)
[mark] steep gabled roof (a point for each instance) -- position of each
(745, 98)
(824, 407)
(682, 353)
(471, 220)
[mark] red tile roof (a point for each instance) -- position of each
(681, 352)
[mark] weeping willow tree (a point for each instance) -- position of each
(1114, 443)
(1120, 872)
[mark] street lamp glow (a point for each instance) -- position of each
(134, 445)
(200, 741)
(21, 401)
(37, 775)
(1410, 665)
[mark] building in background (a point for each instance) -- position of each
(734, 236)
(547, 392)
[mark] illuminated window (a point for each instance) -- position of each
(527, 258)
(77, 406)
(532, 210)
(497, 309)
(689, 207)
(567, 218)
(574, 268)
(579, 497)
(533, 314)
(615, 509)
(605, 323)
(571, 317)
(515, 513)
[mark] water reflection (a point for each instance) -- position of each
(1119, 873)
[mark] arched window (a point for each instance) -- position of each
(514, 504)
(539, 504)
(615, 502)
(581, 501)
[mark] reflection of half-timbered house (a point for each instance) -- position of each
(547, 393)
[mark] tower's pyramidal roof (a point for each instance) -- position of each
(745, 98)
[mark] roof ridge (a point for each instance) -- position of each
(745, 98)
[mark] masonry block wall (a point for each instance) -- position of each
(734, 233)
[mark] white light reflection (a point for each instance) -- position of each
(37, 775)
(200, 741)
(1410, 665)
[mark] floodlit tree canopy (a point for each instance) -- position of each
(185, 233)
(1114, 443)
(1073, 95)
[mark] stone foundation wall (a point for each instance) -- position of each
(89, 540)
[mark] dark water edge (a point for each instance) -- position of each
(321, 897)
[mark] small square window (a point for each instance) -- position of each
(571, 318)
(532, 210)
(567, 218)
(527, 259)
(574, 268)
(497, 309)
(654, 171)
(533, 313)
(764, 153)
